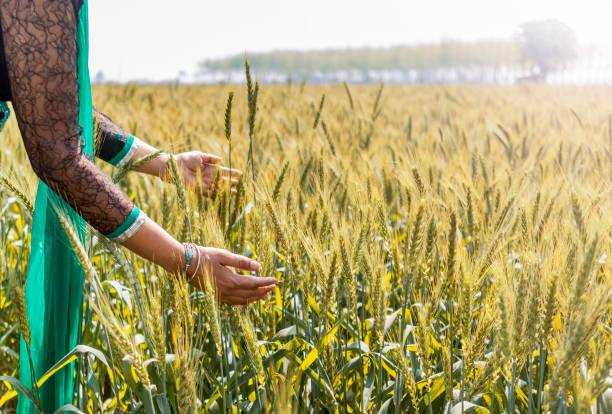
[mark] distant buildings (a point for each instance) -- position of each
(592, 71)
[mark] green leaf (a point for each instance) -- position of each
(314, 353)
(162, 404)
(18, 387)
(467, 407)
(147, 398)
(286, 333)
(5, 349)
(385, 406)
(349, 367)
(71, 356)
(367, 390)
(358, 346)
(389, 320)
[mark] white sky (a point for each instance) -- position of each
(132, 39)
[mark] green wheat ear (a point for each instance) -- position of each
(318, 114)
(348, 94)
(24, 199)
(135, 164)
(332, 147)
(418, 181)
(249, 81)
(452, 249)
(252, 93)
(97, 135)
(280, 181)
(253, 108)
(228, 116)
(22, 316)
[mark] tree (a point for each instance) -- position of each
(99, 78)
(546, 45)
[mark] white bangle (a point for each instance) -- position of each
(134, 144)
(195, 272)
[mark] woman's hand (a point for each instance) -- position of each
(190, 164)
(154, 243)
(230, 287)
(193, 163)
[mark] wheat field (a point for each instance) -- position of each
(440, 249)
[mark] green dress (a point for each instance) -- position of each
(45, 76)
(54, 289)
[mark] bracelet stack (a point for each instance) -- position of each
(190, 250)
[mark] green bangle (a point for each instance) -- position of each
(4, 113)
(127, 152)
(189, 253)
(129, 227)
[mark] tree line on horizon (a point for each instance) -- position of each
(541, 46)
(447, 53)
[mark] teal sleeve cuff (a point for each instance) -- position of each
(126, 153)
(4, 113)
(129, 227)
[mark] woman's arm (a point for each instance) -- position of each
(117, 147)
(153, 243)
(111, 143)
(40, 46)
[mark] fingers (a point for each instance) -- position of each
(209, 173)
(210, 169)
(247, 293)
(210, 159)
(207, 184)
(246, 282)
(207, 190)
(235, 300)
(226, 172)
(238, 262)
(238, 296)
(237, 289)
(209, 179)
(230, 287)
(234, 181)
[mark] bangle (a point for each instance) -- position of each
(189, 252)
(129, 227)
(195, 272)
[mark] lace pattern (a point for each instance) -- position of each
(112, 144)
(41, 61)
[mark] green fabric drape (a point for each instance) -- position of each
(54, 288)
(4, 113)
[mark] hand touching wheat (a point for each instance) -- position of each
(193, 163)
(231, 288)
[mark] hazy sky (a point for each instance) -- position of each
(154, 39)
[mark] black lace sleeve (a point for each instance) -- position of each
(40, 45)
(111, 143)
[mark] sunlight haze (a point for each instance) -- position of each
(156, 40)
